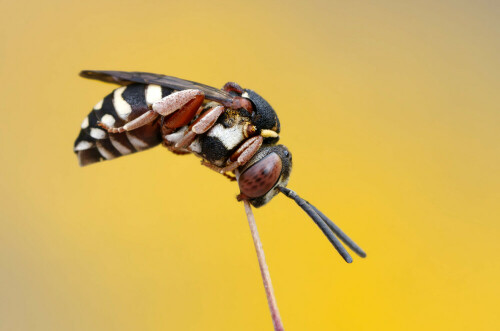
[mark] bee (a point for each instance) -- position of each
(233, 130)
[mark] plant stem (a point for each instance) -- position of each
(264, 270)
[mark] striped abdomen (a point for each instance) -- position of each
(116, 109)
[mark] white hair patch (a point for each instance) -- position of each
(195, 146)
(176, 136)
(230, 137)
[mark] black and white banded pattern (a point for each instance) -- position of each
(116, 109)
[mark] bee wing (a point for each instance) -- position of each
(126, 78)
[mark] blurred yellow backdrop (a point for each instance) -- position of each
(391, 111)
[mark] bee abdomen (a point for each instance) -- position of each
(116, 109)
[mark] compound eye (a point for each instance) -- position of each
(257, 180)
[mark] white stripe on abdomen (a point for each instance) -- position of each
(153, 94)
(123, 109)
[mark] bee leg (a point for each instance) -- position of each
(142, 120)
(240, 157)
(185, 102)
(185, 114)
(230, 177)
(244, 153)
(201, 125)
(215, 168)
(177, 100)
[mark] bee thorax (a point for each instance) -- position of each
(229, 137)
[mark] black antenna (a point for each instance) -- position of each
(345, 239)
(327, 226)
(319, 222)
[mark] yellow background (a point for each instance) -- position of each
(391, 111)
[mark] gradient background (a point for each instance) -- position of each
(391, 111)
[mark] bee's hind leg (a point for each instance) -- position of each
(142, 120)
(184, 104)
(200, 126)
(177, 100)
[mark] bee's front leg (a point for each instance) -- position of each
(240, 157)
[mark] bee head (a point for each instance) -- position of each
(259, 180)
(264, 117)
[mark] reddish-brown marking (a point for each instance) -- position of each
(249, 130)
(201, 125)
(239, 102)
(199, 110)
(187, 140)
(184, 115)
(242, 148)
(257, 180)
(233, 87)
(175, 101)
(109, 128)
(206, 120)
(241, 197)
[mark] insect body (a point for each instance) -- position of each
(233, 131)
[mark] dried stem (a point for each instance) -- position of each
(264, 271)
